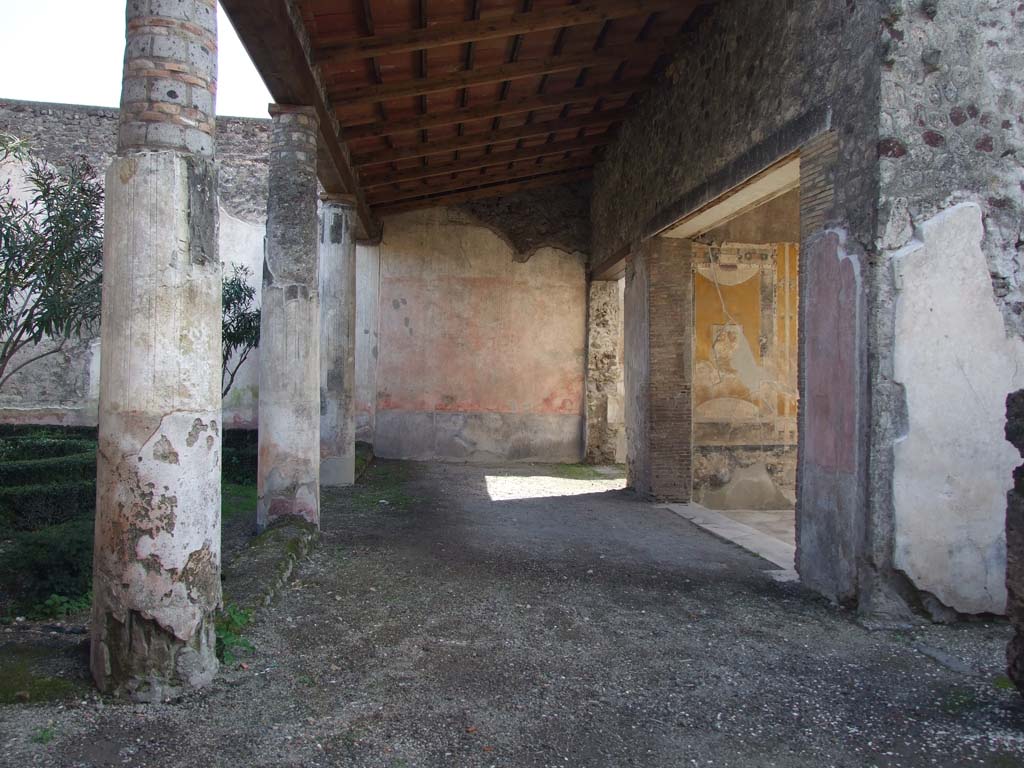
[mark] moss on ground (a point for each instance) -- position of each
(237, 499)
(383, 490)
(20, 682)
(575, 472)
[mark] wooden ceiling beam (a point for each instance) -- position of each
(496, 190)
(372, 94)
(340, 50)
(495, 109)
(273, 34)
(485, 138)
(486, 161)
(387, 196)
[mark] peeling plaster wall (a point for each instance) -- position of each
(956, 365)
(479, 357)
(952, 131)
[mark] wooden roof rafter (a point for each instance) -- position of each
(334, 51)
(484, 89)
(485, 191)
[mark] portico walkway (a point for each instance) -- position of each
(471, 616)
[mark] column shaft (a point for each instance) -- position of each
(604, 373)
(659, 370)
(156, 571)
(337, 345)
(288, 476)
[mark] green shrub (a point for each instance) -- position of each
(54, 561)
(35, 448)
(79, 466)
(240, 455)
(59, 606)
(52, 432)
(31, 507)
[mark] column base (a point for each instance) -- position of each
(337, 471)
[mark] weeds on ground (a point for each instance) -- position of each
(44, 735)
(1003, 683)
(959, 700)
(229, 624)
(59, 606)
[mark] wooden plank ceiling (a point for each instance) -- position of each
(443, 101)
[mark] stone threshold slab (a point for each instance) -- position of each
(761, 544)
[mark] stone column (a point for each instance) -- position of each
(288, 476)
(337, 344)
(604, 372)
(658, 317)
(156, 566)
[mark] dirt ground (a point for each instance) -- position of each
(479, 616)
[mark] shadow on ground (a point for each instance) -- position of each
(470, 616)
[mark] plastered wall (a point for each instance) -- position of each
(745, 375)
(473, 356)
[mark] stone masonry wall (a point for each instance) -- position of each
(60, 132)
(901, 109)
(951, 154)
(745, 74)
(556, 217)
(63, 388)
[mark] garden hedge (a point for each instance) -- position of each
(53, 561)
(79, 466)
(31, 507)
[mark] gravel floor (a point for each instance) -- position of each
(478, 617)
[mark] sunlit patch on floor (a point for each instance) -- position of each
(511, 487)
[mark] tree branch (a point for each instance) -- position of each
(40, 356)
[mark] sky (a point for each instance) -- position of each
(71, 51)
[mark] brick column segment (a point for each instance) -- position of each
(659, 369)
(156, 565)
(288, 476)
(337, 343)
(170, 76)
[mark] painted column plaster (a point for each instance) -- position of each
(367, 338)
(830, 521)
(156, 570)
(337, 345)
(288, 475)
(956, 364)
